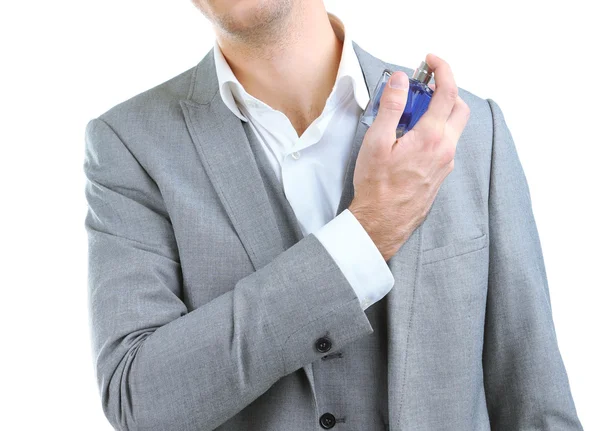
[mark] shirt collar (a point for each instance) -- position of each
(232, 92)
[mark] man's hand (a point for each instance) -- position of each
(396, 180)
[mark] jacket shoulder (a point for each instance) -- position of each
(153, 104)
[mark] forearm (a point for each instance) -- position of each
(160, 365)
(221, 356)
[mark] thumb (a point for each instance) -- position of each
(392, 104)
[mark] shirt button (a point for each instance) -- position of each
(366, 303)
(296, 155)
(323, 344)
(327, 421)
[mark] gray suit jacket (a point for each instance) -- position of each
(198, 312)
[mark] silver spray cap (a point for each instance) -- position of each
(423, 73)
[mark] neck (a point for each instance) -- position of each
(291, 66)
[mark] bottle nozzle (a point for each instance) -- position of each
(423, 73)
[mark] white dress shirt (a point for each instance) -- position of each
(311, 167)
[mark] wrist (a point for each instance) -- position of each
(367, 219)
(387, 237)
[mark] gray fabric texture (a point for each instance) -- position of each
(206, 302)
(350, 383)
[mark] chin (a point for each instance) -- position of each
(245, 17)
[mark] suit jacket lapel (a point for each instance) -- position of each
(225, 153)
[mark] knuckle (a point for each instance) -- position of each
(378, 145)
(391, 104)
(434, 135)
(463, 105)
(378, 150)
(452, 93)
(447, 153)
(375, 140)
(467, 110)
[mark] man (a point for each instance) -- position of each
(262, 260)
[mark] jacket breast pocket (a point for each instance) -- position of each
(451, 298)
(450, 306)
(454, 249)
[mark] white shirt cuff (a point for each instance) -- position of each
(358, 257)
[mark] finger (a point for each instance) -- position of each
(391, 107)
(457, 121)
(444, 96)
(446, 92)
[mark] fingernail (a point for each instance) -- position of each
(399, 80)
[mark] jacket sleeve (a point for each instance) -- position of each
(162, 366)
(525, 380)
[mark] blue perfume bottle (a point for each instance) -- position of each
(419, 96)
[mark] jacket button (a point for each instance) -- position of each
(327, 421)
(323, 344)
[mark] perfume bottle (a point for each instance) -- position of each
(419, 96)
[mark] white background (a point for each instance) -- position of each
(65, 62)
